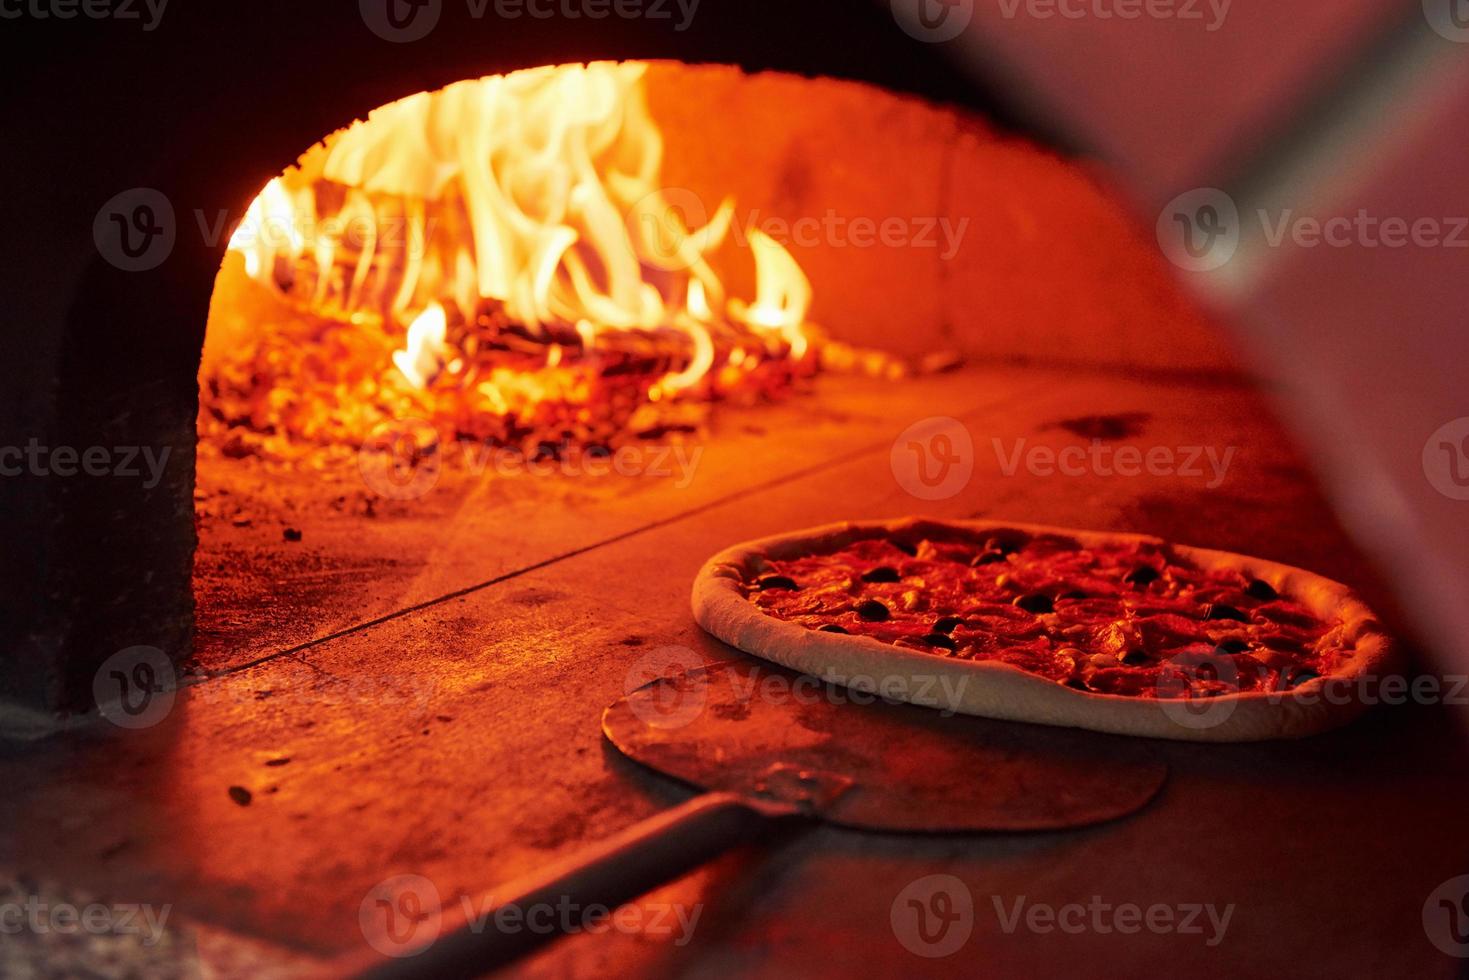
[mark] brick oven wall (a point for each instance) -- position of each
(208, 107)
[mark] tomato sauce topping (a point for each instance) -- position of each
(1129, 618)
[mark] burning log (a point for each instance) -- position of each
(499, 260)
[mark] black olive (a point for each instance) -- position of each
(987, 558)
(1036, 603)
(1142, 575)
(940, 640)
(948, 624)
(1134, 658)
(883, 574)
(910, 550)
(1219, 610)
(778, 582)
(1231, 646)
(873, 611)
(834, 628)
(1263, 591)
(1074, 594)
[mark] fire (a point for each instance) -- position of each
(509, 242)
(423, 359)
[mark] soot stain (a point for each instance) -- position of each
(732, 711)
(1107, 428)
(535, 598)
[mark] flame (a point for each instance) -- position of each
(535, 195)
(782, 293)
(269, 227)
(425, 355)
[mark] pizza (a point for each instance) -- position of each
(1111, 632)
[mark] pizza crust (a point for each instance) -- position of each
(997, 690)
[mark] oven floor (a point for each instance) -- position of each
(419, 692)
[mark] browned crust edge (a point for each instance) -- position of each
(996, 690)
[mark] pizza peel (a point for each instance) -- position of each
(775, 752)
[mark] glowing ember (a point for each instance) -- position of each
(497, 257)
